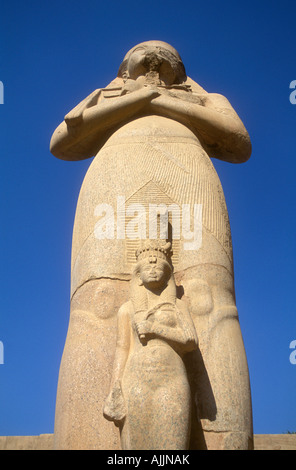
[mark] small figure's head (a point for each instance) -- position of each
(153, 56)
(154, 267)
(154, 273)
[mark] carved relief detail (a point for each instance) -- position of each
(150, 397)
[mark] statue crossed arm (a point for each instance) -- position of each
(158, 322)
(209, 115)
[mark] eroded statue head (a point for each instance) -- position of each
(153, 57)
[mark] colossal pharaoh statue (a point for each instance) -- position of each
(153, 132)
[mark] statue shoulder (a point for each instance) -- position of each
(125, 309)
(211, 100)
(195, 87)
(181, 305)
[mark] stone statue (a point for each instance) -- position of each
(150, 396)
(153, 132)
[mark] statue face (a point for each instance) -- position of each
(153, 56)
(154, 274)
(136, 66)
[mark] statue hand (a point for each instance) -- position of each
(131, 86)
(114, 407)
(143, 328)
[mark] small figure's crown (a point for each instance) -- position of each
(155, 249)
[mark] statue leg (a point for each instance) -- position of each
(86, 367)
(172, 409)
(158, 417)
(218, 372)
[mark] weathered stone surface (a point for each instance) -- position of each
(153, 131)
(42, 442)
(275, 441)
(45, 442)
(86, 366)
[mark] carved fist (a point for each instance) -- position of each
(143, 328)
(114, 407)
(132, 85)
(149, 90)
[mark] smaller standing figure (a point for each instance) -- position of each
(150, 397)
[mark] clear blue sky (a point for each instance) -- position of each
(53, 54)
